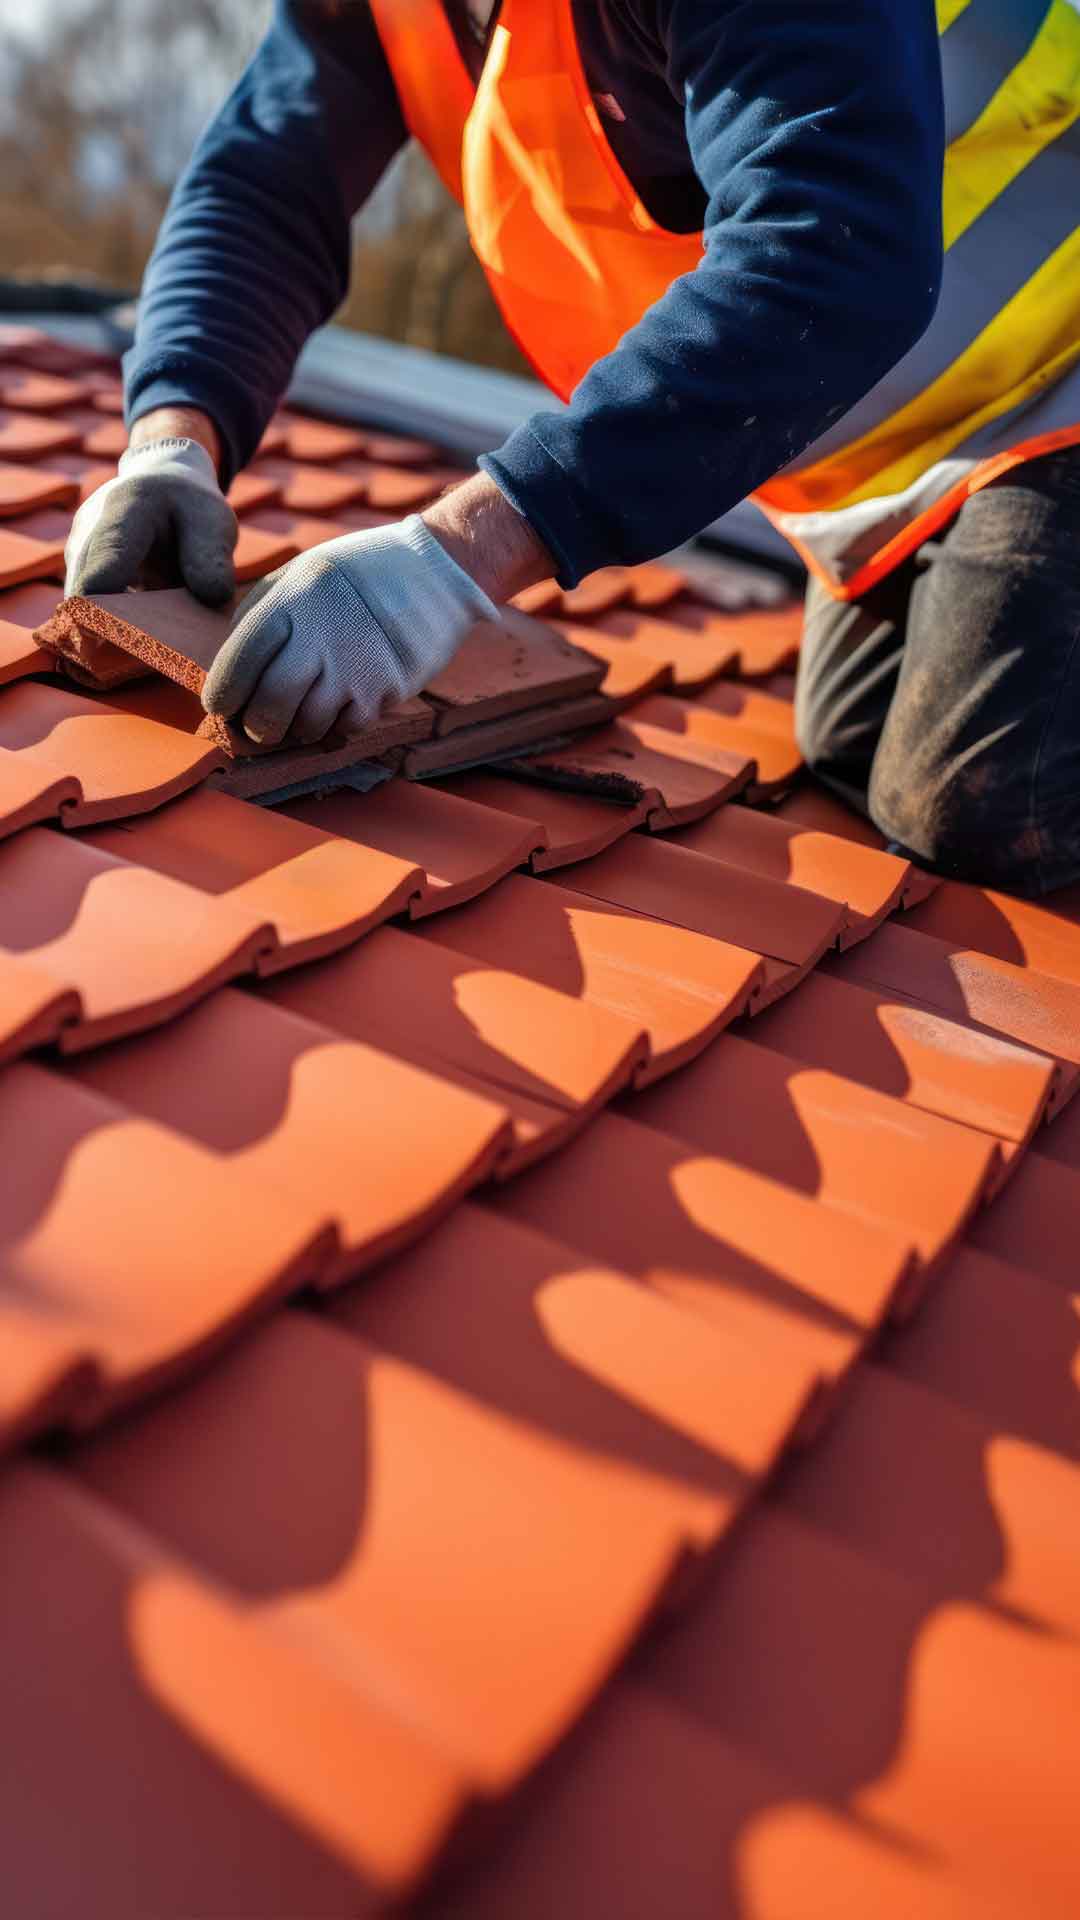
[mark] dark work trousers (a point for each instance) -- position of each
(946, 703)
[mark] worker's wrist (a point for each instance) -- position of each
(488, 538)
(178, 423)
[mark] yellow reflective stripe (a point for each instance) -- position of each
(1038, 101)
(1038, 324)
(948, 11)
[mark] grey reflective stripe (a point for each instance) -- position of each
(845, 541)
(979, 51)
(985, 268)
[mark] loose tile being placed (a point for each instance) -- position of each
(317, 889)
(503, 738)
(123, 763)
(488, 1577)
(680, 987)
(549, 1059)
(787, 927)
(347, 1136)
(65, 900)
(462, 847)
(613, 764)
(503, 669)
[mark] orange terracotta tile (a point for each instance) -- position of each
(867, 884)
(251, 489)
(122, 762)
(845, 1145)
(1001, 1343)
(298, 531)
(566, 826)
(24, 488)
(653, 583)
(392, 489)
(813, 807)
(598, 592)
(31, 791)
(463, 848)
(544, 597)
(67, 901)
(523, 1324)
(630, 671)
(550, 1060)
(305, 490)
(489, 1576)
(22, 557)
(105, 394)
(106, 440)
(346, 1135)
(938, 1494)
(87, 473)
(914, 1055)
(971, 988)
(694, 658)
(1033, 1223)
(32, 347)
(320, 440)
(398, 449)
(86, 1229)
(28, 606)
(758, 641)
(34, 1008)
(319, 891)
(717, 1239)
(789, 928)
(615, 765)
(497, 670)
(38, 392)
(328, 1803)
(25, 436)
(258, 552)
(778, 761)
(1041, 934)
(680, 987)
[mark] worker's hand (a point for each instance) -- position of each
(164, 516)
(334, 636)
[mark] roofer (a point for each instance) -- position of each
(715, 226)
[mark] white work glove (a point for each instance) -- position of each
(334, 636)
(164, 514)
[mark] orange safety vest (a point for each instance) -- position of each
(574, 259)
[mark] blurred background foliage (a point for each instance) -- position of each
(100, 104)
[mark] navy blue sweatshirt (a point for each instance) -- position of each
(804, 137)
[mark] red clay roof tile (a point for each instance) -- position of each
(485, 1576)
(681, 987)
(349, 1136)
(1041, 934)
(122, 762)
(259, 550)
(318, 889)
(508, 733)
(391, 489)
(614, 764)
(104, 439)
(303, 490)
(777, 761)
(504, 669)
(329, 1802)
(24, 488)
(23, 436)
(250, 489)
(23, 557)
(549, 1059)
(31, 791)
(38, 392)
(318, 440)
(567, 826)
(694, 658)
(34, 1007)
(757, 642)
(462, 847)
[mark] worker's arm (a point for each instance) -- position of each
(815, 127)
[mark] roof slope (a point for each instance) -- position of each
(538, 1311)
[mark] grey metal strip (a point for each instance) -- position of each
(979, 50)
(984, 270)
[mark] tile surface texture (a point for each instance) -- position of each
(538, 1292)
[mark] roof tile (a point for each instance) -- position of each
(566, 826)
(777, 760)
(24, 488)
(614, 764)
(503, 669)
(122, 762)
(868, 884)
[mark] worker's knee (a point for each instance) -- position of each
(969, 819)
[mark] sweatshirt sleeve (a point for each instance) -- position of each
(254, 250)
(815, 127)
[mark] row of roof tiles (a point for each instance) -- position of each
(314, 1612)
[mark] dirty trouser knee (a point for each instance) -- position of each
(977, 769)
